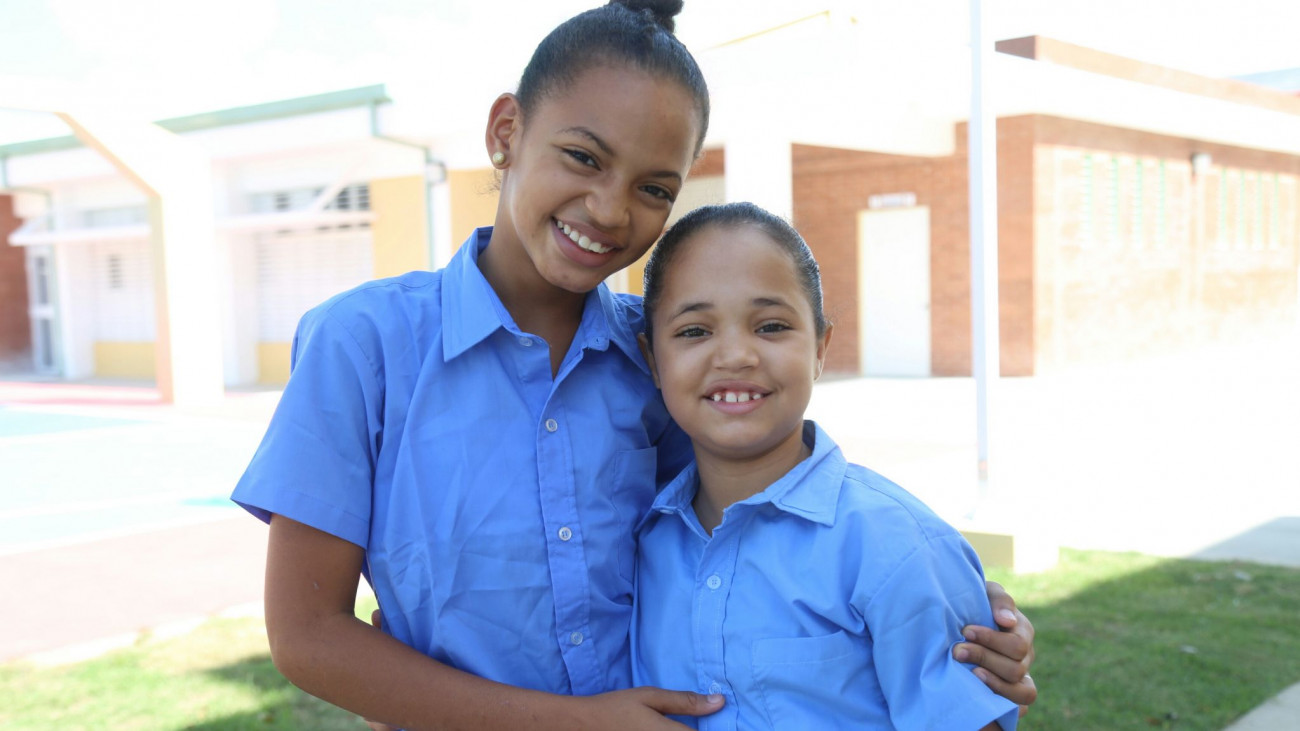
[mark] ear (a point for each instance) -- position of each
(649, 357)
(505, 125)
(823, 344)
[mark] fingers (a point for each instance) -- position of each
(377, 620)
(1004, 607)
(377, 726)
(1012, 645)
(681, 702)
(1023, 693)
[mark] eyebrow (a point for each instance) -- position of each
(705, 306)
(605, 148)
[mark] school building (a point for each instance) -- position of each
(1142, 210)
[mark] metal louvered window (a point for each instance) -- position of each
(297, 271)
(124, 292)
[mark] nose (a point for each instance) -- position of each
(608, 207)
(735, 350)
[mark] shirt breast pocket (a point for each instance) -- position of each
(633, 491)
(804, 681)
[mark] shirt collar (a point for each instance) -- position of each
(471, 310)
(811, 490)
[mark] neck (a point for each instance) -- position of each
(725, 481)
(527, 296)
(536, 305)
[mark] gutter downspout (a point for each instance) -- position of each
(430, 164)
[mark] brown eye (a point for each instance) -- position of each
(582, 157)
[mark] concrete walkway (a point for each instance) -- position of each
(1179, 457)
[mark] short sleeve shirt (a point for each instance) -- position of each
(496, 504)
(831, 600)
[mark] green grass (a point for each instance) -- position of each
(219, 677)
(1124, 642)
(1132, 642)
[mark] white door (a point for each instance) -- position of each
(894, 291)
(41, 309)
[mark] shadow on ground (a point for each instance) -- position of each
(1162, 644)
(284, 706)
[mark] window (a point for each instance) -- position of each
(118, 216)
(115, 275)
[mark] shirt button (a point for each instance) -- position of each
(565, 534)
(714, 688)
(714, 581)
(552, 425)
(525, 341)
(576, 638)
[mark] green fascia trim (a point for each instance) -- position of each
(348, 98)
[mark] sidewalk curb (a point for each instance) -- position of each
(1279, 712)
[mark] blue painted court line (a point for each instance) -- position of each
(56, 528)
(20, 423)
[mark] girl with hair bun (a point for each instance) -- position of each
(479, 441)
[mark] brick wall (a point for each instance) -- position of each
(1110, 248)
(1138, 255)
(831, 186)
(15, 326)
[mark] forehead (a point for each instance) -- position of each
(638, 113)
(735, 262)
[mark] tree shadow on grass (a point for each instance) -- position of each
(282, 706)
(1172, 644)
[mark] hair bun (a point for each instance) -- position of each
(663, 11)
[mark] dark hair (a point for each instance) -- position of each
(638, 33)
(734, 215)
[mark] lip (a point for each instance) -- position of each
(577, 253)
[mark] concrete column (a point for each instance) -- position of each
(177, 178)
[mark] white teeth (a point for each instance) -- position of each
(582, 241)
(734, 397)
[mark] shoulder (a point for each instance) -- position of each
(628, 312)
(380, 305)
(388, 296)
(372, 316)
(873, 504)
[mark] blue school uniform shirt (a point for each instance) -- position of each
(496, 504)
(831, 600)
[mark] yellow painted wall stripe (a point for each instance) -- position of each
(273, 363)
(115, 359)
(399, 234)
(473, 202)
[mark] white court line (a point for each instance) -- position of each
(87, 506)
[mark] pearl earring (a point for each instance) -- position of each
(498, 158)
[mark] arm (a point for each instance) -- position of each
(1003, 657)
(320, 646)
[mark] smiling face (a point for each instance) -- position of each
(590, 175)
(735, 345)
